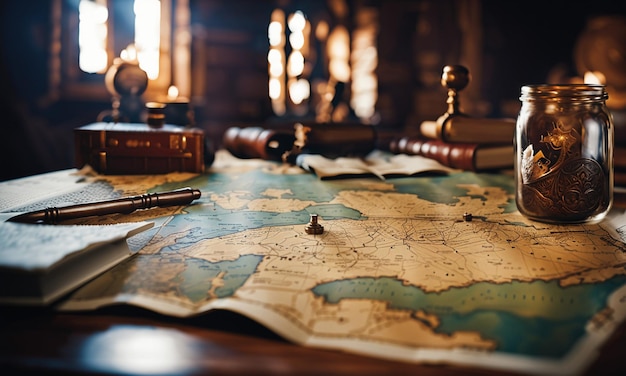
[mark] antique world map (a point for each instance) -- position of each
(401, 271)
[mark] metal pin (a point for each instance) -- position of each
(313, 227)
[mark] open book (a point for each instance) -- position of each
(375, 164)
(40, 263)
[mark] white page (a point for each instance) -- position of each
(31, 247)
(21, 192)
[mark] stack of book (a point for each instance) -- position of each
(462, 143)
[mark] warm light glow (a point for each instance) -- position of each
(339, 70)
(275, 33)
(138, 350)
(321, 31)
(296, 40)
(93, 11)
(286, 73)
(339, 43)
(298, 87)
(275, 88)
(129, 54)
(295, 65)
(299, 90)
(181, 48)
(594, 78)
(364, 58)
(160, 40)
(148, 35)
(338, 54)
(172, 92)
(276, 69)
(276, 61)
(297, 22)
(274, 56)
(92, 36)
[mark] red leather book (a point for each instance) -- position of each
(465, 156)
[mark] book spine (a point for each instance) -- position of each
(454, 155)
(462, 129)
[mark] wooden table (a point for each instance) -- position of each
(129, 341)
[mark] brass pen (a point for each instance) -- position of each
(125, 205)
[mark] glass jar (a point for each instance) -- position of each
(564, 153)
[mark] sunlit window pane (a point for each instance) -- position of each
(92, 36)
(148, 35)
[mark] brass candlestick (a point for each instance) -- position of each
(455, 78)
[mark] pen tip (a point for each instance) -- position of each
(196, 194)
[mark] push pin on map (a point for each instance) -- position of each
(313, 227)
(467, 217)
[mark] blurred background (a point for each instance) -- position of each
(271, 63)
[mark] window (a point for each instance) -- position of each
(88, 35)
(348, 60)
(92, 36)
(288, 79)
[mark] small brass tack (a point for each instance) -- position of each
(313, 227)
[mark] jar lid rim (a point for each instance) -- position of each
(566, 85)
(555, 91)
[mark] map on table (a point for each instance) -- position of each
(401, 271)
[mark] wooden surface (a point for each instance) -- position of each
(126, 340)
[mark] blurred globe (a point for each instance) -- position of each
(601, 47)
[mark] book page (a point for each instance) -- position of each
(21, 192)
(376, 164)
(408, 165)
(30, 247)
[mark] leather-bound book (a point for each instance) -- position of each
(469, 130)
(465, 156)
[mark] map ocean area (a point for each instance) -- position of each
(398, 272)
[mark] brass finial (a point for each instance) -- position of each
(455, 78)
